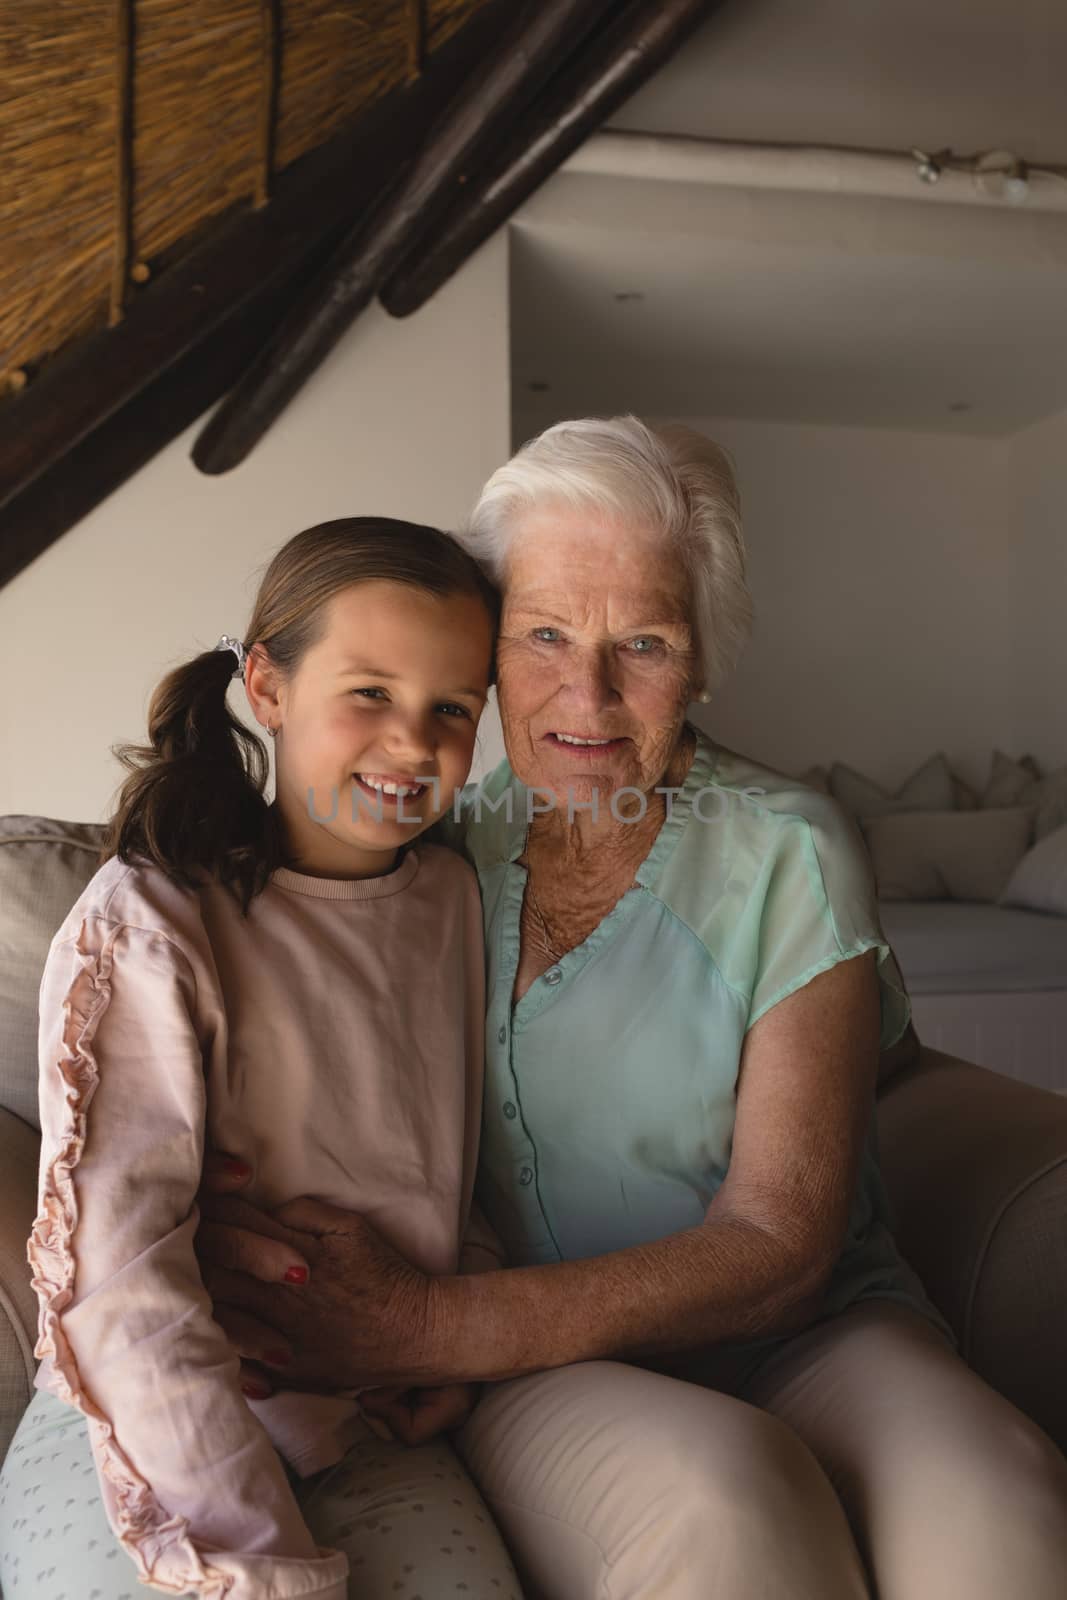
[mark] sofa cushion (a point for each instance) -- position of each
(44, 866)
(955, 855)
(955, 947)
(1039, 882)
(930, 788)
(964, 798)
(1009, 779)
(817, 778)
(1022, 783)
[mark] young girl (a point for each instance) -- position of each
(301, 985)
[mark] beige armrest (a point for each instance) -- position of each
(976, 1168)
(19, 1147)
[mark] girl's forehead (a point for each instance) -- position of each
(390, 625)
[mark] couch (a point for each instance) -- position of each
(987, 981)
(975, 1163)
(973, 899)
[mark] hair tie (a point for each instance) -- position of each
(226, 643)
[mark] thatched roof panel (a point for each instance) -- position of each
(196, 84)
(198, 148)
(57, 173)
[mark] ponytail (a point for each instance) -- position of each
(194, 802)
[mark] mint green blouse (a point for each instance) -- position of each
(610, 1087)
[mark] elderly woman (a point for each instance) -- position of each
(708, 1371)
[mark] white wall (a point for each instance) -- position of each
(1037, 483)
(406, 418)
(910, 594)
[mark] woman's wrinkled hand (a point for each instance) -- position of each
(415, 1416)
(314, 1292)
(235, 1237)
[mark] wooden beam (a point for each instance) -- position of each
(202, 308)
(525, 57)
(132, 435)
(588, 90)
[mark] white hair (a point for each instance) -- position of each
(667, 479)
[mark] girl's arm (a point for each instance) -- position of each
(191, 1483)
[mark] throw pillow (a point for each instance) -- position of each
(44, 866)
(816, 778)
(1020, 783)
(964, 797)
(1039, 882)
(1009, 780)
(928, 789)
(1050, 798)
(947, 855)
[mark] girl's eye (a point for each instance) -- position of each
(538, 632)
(453, 709)
(368, 691)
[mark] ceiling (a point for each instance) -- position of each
(686, 300)
(694, 299)
(973, 74)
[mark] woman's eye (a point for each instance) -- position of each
(539, 632)
(650, 643)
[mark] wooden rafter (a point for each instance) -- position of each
(589, 89)
(547, 33)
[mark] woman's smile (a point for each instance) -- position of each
(583, 746)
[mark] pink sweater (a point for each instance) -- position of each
(334, 1042)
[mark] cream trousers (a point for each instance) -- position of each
(862, 1459)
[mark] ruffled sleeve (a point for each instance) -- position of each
(191, 1484)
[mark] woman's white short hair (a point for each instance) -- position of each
(667, 479)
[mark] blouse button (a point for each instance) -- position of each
(502, 1035)
(525, 1176)
(553, 976)
(509, 1110)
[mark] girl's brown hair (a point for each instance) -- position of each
(194, 801)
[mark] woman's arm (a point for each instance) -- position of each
(190, 1482)
(759, 1262)
(756, 1266)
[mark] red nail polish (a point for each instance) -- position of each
(237, 1169)
(278, 1358)
(296, 1275)
(255, 1392)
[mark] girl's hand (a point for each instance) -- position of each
(416, 1415)
(235, 1238)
